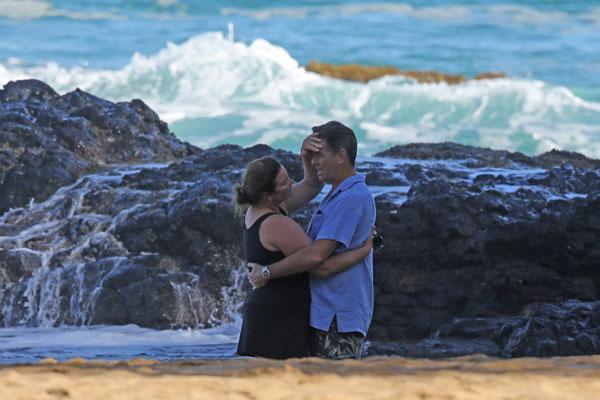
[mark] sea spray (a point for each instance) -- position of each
(67, 257)
(213, 90)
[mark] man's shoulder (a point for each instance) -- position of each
(358, 191)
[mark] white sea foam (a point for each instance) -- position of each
(214, 90)
(25, 345)
(125, 335)
(35, 9)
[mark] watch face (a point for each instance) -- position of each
(265, 272)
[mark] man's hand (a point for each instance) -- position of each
(255, 278)
(368, 244)
(311, 144)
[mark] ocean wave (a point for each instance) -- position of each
(503, 13)
(510, 13)
(213, 90)
(450, 12)
(35, 9)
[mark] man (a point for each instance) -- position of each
(342, 304)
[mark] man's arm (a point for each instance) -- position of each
(310, 186)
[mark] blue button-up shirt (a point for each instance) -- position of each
(346, 215)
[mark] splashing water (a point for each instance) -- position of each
(213, 91)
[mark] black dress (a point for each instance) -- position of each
(276, 315)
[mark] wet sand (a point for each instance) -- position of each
(474, 377)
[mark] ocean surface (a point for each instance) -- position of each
(115, 343)
(233, 71)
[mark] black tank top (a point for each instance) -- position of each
(275, 316)
(257, 253)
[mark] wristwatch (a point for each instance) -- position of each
(265, 272)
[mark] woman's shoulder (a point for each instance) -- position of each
(277, 219)
(283, 233)
(252, 218)
(279, 226)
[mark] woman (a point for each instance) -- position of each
(276, 316)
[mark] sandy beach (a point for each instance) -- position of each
(474, 377)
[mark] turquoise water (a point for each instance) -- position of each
(232, 71)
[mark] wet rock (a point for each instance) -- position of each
(434, 348)
(365, 73)
(16, 264)
(362, 73)
(157, 246)
(459, 253)
(451, 151)
(29, 89)
(541, 330)
(383, 178)
(561, 157)
(489, 75)
(49, 140)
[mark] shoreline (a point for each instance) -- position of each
(472, 377)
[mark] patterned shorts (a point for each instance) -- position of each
(336, 345)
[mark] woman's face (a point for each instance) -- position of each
(283, 185)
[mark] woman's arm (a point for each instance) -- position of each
(341, 262)
(310, 186)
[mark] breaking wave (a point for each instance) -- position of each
(213, 90)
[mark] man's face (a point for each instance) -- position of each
(327, 164)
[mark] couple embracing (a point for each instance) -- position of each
(313, 292)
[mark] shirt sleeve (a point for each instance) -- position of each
(342, 220)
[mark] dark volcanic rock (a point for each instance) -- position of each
(47, 140)
(541, 330)
(454, 151)
(157, 246)
(485, 248)
(480, 157)
(557, 157)
(455, 253)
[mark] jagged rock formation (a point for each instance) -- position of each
(158, 247)
(482, 157)
(486, 241)
(542, 329)
(366, 73)
(48, 140)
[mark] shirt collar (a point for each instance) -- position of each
(347, 183)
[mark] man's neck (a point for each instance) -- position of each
(346, 173)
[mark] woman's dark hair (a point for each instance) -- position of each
(258, 179)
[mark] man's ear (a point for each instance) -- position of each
(343, 156)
